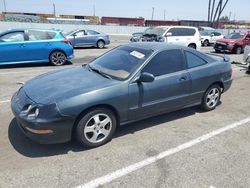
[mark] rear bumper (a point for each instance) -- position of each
(227, 84)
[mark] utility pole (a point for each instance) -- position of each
(230, 14)
(94, 10)
(54, 10)
(164, 14)
(4, 5)
(209, 10)
(153, 11)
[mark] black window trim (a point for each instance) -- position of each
(206, 62)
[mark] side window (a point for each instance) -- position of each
(174, 31)
(217, 34)
(165, 62)
(90, 32)
(35, 35)
(13, 37)
(80, 33)
(194, 60)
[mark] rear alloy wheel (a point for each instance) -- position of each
(96, 128)
(211, 98)
(100, 44)
(57, 58)
(206, 43)
(192, 46)
(238, 50)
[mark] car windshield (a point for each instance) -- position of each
(155, 31)
(235, 36)
(121, 62)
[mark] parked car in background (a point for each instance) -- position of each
(178, 35)
(136, 37)
(233, 43)
(246, 57)
(34, 46)
(87, 38)
(209, 36)
(119, 87)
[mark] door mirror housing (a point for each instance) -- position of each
(169, 34)
(212, 35)
(146, 77)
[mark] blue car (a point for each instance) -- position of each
(87, 38)
(127, 84)
(34, 46)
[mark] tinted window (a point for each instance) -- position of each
(194, 60)
(121, 62)
(35, 35)
(182, 31)
(90, 32)
(13, 37)
(217, 34)
(165, 62)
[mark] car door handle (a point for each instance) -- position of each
(22, 45)
(183, 78)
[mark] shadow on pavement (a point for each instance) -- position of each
(28, 148)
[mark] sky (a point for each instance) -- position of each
(175, 10)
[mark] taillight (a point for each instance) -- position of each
(66, 41)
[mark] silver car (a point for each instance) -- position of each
(246, 57)
(87, 38)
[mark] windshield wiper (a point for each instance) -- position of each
(99, 72)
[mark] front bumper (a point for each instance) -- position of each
(61, 127)
(223, 47)
(71, 57)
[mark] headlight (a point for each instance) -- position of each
(37, 112)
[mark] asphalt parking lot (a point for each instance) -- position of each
(187, 148)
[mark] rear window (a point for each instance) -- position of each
(35, 35)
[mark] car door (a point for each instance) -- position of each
(173, 36)
(169, 90)
(215, 36)
(201, 76)
(81, 39)
(39, 44)
(12, 47)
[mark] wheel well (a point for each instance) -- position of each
(219, 83)
(57, 50)
(192, 44)
(106, 106)
(100, 40)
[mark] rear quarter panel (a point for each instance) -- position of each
(204, 76)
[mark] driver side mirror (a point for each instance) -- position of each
(212, 35)
(146, 77)
(169, 34)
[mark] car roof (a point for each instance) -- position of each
(23, 29)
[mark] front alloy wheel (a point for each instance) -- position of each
(211, 98)
(57, 58)
(96, 128)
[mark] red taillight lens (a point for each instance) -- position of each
(66, 41)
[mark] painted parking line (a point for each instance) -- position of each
(129, 169)
(4, 101)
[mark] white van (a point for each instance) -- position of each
(180, 35)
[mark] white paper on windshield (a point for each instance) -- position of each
(138, 55)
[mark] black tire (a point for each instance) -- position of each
(207, 98)
(206, 43)
(84, 135)
(238, 50)
(57, 58)
(100, 44)
(192, 46)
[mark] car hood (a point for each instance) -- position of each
(56, 86)
(224, 40)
